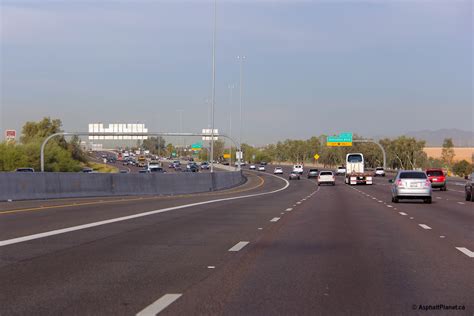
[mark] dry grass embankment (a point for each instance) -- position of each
(462, 153)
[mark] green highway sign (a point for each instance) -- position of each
(344, 139)
(196, 145)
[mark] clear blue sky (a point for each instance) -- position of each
(312, 67)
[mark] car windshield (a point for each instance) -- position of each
(412, 175)
(326, 173)
(379, 169)
(313, 170)
(434, 173)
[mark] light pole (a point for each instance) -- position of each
(180, 120)
(231, 88)
(241, 60)
(213, 84)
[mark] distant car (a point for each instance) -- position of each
(193, 168)
(241, 164)
(294, 176)
(264, 163)
(326, 177)
(204, 165)
(469, 188)
(124, 171)
(278, 170)
(144, 171)
(87, 170)
(410, 184)
(25, 170)
(157, 169)
(298, 169)
(261, 168)
(437, 178)
(313, 173)
(379, 172)
(341, 171)
(252, 167)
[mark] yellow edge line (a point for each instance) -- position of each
(262, 181)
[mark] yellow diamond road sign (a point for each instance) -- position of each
(316, 156)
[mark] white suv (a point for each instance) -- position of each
(298, 169)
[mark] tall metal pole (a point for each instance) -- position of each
(231, 87)
(241, 59)
(213, 84)
(180, 120)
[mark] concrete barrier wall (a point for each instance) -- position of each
(51, 185)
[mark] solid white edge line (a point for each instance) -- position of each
(238, 246)
(159, 305)
(275, 219)
(466, 251)
(424, 226)
(124, 218)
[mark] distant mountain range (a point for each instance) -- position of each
(435, 138)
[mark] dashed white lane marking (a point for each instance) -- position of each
(466, 251)
(282, 213)
(374, 198)
(289, 209)
(403, 213)
(424, 226)
(211, 267)
(389, 206)
(239, 246)
(303, 200)
(462, 203)
(129, 217)
(442, 236)
(412, 218)
(275, 219)
(260, 228)
(438, 198)
(380, 201)
(159, 305)
(298, 202)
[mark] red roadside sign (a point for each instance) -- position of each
(10, 134)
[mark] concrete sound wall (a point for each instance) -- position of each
(51, 185)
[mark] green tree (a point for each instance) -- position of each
(447, 153)
(462, 168)
(32, 131)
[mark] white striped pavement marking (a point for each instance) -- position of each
(289, 209)
(298, 202)
(239, 246)
(389, 206)
(466, 251)
(275, 219)
(159, 305)
(462, 203)
(403, 213)
(424, 226)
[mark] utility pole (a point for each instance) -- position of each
(241, 60)
(231, 88)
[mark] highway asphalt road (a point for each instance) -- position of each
(264, 248)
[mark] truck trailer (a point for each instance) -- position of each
(355, 173)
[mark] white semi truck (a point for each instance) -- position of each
(355, 173)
